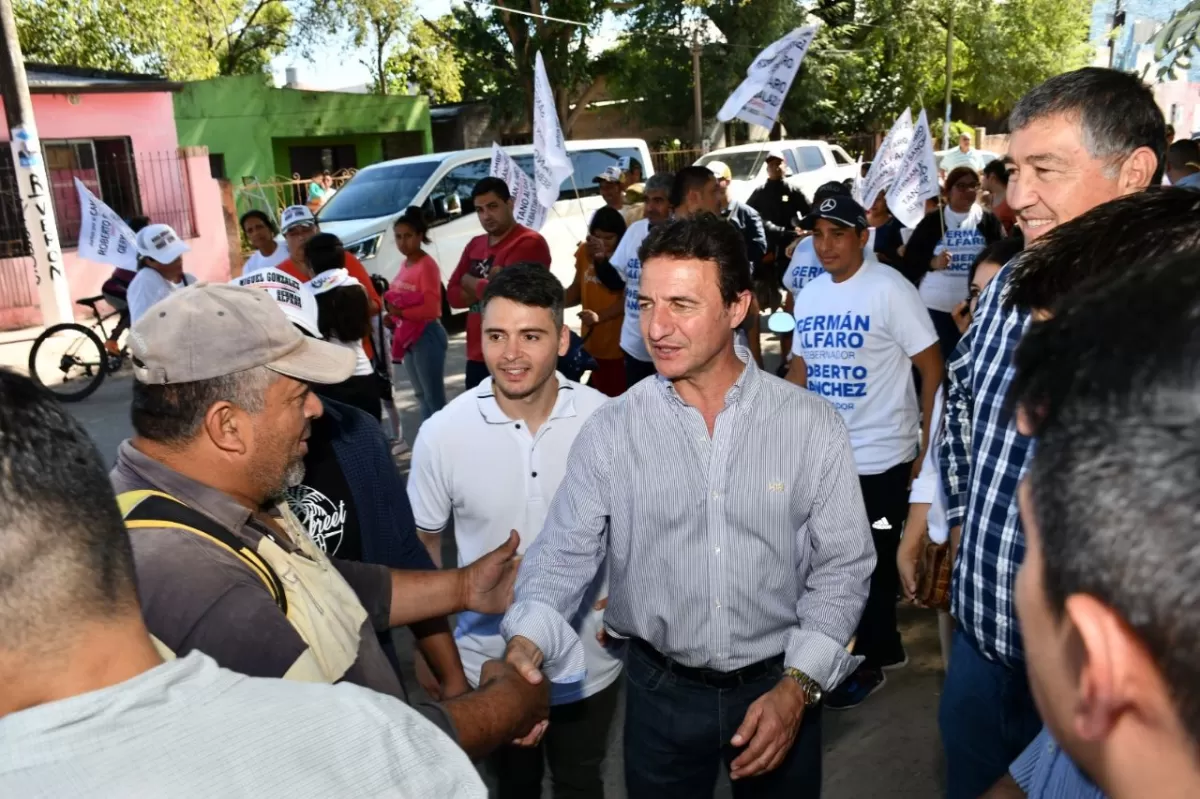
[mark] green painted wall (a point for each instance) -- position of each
(252, 123)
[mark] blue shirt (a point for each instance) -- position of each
(1045, 771)
(983, 458)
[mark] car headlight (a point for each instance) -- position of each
(365, 249)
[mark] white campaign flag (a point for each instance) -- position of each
(103, 235)
(916, 179)
(551, 164)
(527, 210)
(760, 96)
(887, 160)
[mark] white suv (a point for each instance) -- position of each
(363, 211)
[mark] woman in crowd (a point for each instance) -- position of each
(927, 499)
(944, 245)
(261, 231)
(160, 269)
(603, 310)
(414, 308)
(344, 317)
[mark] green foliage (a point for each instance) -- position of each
(502, 48)
(871, 59)
(1177, 41)
(430, 61)
(188, 40)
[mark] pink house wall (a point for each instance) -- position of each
(148, 119)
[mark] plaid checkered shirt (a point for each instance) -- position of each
(983, 458)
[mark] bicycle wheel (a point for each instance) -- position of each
(69, 361)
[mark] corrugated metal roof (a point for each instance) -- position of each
(44, 78)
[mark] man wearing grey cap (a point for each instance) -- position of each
(222, 411)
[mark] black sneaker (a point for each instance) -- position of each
(855, 689)
(898, 660)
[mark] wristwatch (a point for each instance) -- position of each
(813, 693)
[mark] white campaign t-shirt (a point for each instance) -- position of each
(258, 261)
(857, 339)
(148, 287)
(805, 266)
(473, 463)
(625, 260)
(943, 289)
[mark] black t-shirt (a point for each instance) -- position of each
(323, 501)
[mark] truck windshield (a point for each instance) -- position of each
(379, 191)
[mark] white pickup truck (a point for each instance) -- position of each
(810, 162)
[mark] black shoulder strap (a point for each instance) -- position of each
(162, 508)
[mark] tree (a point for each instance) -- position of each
(871, 59)
(502, 47)
(188, 40)
(376, 24)
(430, 62)
(1179, 38)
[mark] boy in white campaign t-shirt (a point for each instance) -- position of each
(860, 329)
(491, 461)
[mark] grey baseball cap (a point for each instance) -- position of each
(208, 330)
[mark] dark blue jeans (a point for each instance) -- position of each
(425, 363)
(987, 718)
(677, 733)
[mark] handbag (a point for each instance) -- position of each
(933, 576)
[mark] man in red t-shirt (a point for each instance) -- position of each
(503, 244)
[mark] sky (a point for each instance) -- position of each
(339, 65)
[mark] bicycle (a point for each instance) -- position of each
(69, 359)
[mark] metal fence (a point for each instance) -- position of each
(276, 193)
(674, 160)
(151, 184)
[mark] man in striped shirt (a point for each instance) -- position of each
(1079, 140)
(727, 505)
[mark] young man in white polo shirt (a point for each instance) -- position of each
(492, 460)
(860, 329)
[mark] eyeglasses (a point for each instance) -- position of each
(297, 230)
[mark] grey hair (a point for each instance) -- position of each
(661, 181)
(1116, 112)
(174, 414)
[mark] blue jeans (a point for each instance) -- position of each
(677, 733)
(425, 363)
(987, 718)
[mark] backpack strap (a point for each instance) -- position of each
(154, 509)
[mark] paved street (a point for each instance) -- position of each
(889, 747)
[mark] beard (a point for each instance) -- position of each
(292, 476)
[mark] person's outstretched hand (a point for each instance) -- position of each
(488, 582)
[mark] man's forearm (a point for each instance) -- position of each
(488, 718)
(441, 653)
(421, 595)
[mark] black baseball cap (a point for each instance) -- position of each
(840, 209)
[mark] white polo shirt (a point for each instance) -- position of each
(474, 464)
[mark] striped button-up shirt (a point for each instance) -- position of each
(1044, 771)
(722, 550)
(984, 459)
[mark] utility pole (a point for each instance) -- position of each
(697, 104)
(1118, 21)
(949, 73)
(30, 171)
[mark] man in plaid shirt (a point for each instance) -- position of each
(1078, 140)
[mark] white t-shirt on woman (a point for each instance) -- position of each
(943, 289)
(258, 261)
